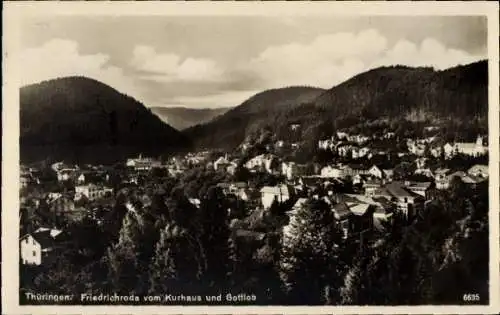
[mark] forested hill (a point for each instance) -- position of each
(82, 120)
(416, 93)
(230, 129)
(182, 117)
(393, 93)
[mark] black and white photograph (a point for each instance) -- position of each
(253, 159)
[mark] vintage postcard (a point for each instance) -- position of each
(254, 158)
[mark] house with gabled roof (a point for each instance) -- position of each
(36, 247)
(376, 171)
(407, 201)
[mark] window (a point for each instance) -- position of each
(406, 200)
(34, 253)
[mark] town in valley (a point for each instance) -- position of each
(254, 160)
(370, 185)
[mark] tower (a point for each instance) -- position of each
(479, 141)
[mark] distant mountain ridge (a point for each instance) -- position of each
(83, 120)
(182, 117)
(396, 92)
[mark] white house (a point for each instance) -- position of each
(221, 163)
(468, 148)
(436, 152)
(440, 178)
(328, 144)
(479, 170)
(408, 202)
(66, 174)
(389, 135)
(143, 163)
(364, 151)
(344, 149)
(264, 161)
(91, 191)
(332, 172)
(35, 247)
(342, 135)
(269, 194)
(376, 171)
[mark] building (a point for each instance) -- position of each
(332, 172)
(328, 144)
(344, 149)
(371, 187)
(388, 174)
(222, 163)
(440, 178)
(66, 174)
(143, 163)
(364, 151)
(468, 179)
(420, 188)
(289, 170)
(342, 135)
(265, 162)
(479, 170)
(353, 170)
(343, 217)
(280, 193)
(436, 152)
(36, 247)
(91, 191)
(27, 179)
(360, 179)
(376, 171)
(468, 148)
(294, 127)
(408, 202)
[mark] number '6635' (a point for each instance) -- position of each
(471, 297)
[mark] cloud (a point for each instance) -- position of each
(169, 67)
(165, 78)
(429, 53)
(332, 58)
(61, 58)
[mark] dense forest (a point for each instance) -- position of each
(456, 98)
(82, 120)
(183, 117)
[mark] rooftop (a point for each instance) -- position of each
(276, 190)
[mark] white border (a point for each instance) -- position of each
(10, 117)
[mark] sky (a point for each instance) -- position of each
(220, 61)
